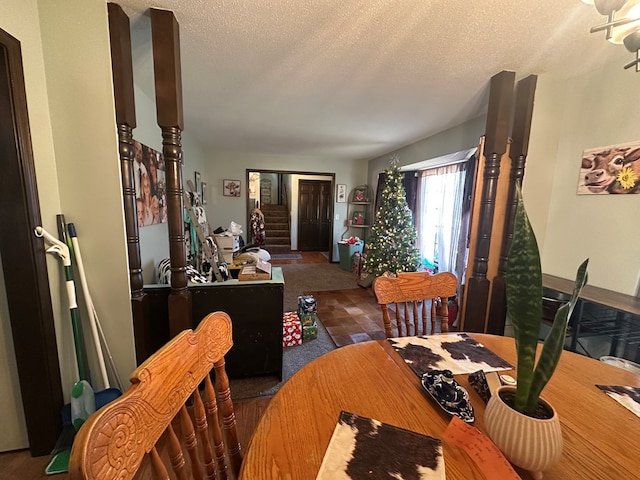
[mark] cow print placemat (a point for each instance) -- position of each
(457, 352)
(627, 396)
(365, 448)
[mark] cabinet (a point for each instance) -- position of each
(255, 308)
(359, 212)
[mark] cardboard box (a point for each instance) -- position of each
(260, 271)
(227, 244)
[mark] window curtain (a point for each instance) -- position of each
(440, 223)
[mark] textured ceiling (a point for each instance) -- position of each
(360, 78)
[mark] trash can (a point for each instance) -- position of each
(346, 251)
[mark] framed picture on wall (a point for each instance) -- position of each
(203, 193)
(231, 188)
(341, 193)
(612, 169)
(359, 195)
(198, 182)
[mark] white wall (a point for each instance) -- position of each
(455, 139)
(593, 110)
(81, 112)
(222, 210)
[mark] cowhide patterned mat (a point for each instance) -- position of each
(457, 352)
(627, 396)
(364, 448)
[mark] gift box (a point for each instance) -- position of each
(307, 318)
(309, 332)
(306, 304)
(291, 329)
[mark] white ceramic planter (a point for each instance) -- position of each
(527, 442)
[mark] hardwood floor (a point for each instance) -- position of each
(20, 465)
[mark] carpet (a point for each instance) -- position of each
(350, 316)
(286, 256)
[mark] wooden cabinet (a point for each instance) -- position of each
(255, 309)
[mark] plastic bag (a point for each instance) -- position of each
(235, 228)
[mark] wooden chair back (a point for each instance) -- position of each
(410, 292)
(153, 421)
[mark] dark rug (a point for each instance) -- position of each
(350, 316)
(286, 256)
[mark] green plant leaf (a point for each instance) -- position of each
(554, 343)
(523, 278)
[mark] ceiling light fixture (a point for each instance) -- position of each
(622, 26)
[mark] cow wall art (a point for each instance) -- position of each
(610, 170)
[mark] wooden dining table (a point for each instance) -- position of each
(370, 379)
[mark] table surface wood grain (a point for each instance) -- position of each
(370, 379)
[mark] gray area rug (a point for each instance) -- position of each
(286, 256)
(298, 278)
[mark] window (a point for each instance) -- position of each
(440, 222)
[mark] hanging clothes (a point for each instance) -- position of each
(256, 221)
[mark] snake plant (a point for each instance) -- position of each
(523, 278)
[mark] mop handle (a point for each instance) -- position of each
(89, 301)
(62, 250)
(55, 246)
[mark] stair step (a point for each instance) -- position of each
(279, 233)
(276, 226)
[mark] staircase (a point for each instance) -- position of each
(276, 226)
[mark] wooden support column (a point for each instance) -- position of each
(168, 82)
(525, 92)
(123, 93)
(476, 297)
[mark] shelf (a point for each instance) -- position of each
(360, 203)
(359, 226)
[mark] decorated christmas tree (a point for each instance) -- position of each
(392, 244)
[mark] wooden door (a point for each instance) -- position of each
(314, 215)
(26, 283)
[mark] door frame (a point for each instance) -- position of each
(24, 262)
(296, 172)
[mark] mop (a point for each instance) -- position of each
(96, 328)
(82, 396)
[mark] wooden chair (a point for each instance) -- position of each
(410, 292)
(152, 414)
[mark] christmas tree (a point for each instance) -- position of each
(392, 244)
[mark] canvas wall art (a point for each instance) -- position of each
(614, 169)
(231, 188)
(149, 182)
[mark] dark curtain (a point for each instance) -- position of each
(410, 184)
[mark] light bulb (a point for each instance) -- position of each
(630, 11)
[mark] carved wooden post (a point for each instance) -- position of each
(122, 67)
(498, 116)
(168, 80)
(525, 93)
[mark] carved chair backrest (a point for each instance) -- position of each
(409, 293)
(153, 419)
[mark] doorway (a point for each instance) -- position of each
(284, 190)
(26, 283)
